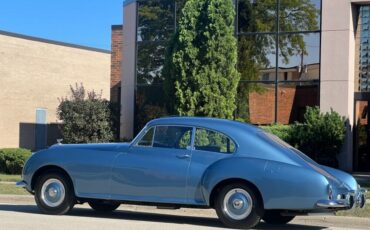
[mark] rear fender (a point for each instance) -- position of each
(281, 185)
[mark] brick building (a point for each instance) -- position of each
(34, 74)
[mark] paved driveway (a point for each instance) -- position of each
(21, 213)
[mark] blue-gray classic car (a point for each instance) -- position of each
(242, 172)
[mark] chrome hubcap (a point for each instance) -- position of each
(53, 192)
(237, 204)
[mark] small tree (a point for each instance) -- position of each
(86, 117)
(203, 60)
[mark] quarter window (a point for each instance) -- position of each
(177, 137)
(147, 138)
(213, 141)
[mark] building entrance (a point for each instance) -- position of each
(362, 133)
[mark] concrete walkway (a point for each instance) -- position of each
(20, 212)
(7, 182)
(15, 208)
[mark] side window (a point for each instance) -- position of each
(213, 141)
(147, 139)
(177, 137)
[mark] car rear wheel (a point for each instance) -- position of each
(54, 193)
(275, 217)
(103, 206)
(237, 206)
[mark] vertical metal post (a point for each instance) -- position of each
(277, 35)
(175, 17)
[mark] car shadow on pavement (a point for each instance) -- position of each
(151, 217)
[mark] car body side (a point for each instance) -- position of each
(284, 180)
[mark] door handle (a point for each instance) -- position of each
(184, 156)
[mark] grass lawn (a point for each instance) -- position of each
(359, 212)
(356, 212)
(11, 189)
(9, 178)
(365, 184)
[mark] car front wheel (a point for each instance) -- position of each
(275, 217)
(237, 206)
(103, 206)
(54, 194)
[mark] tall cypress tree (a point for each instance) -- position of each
(202, 60)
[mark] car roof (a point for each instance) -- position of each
(223, 125)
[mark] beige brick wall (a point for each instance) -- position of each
(35, 74)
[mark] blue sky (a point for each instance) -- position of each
(82, 22)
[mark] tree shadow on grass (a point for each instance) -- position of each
(151, 217)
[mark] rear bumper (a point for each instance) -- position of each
(353, 199)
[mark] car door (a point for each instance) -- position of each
(209, 147)
(154, 169)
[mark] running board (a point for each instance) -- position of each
(168, 207)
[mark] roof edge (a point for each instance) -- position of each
(117, 27)
(53, 42)
(128, 2)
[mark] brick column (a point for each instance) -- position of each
(116, 63)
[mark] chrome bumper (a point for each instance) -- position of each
(354, 199)
(21, 184)
(332, 204)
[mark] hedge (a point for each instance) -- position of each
(320, 136)
(12, 160)
(284, 132)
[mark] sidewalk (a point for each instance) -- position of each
(7, 182)
(361, 176)
(17, 199)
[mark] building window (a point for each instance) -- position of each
(362, 39)
(278, 57)
(279, 39)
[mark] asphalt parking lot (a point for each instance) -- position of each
(20, 212)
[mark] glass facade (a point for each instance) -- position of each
(278, 58)
(363, 36)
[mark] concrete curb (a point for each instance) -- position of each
(7, 182)
(17, 199)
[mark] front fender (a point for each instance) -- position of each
(39, 160)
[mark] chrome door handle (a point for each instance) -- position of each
(185, 156)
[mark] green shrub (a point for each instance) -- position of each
(12, 160)
(284, 132)
(86, 117)
(320, 136)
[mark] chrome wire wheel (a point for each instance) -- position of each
(53, 192)
(237, 204)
